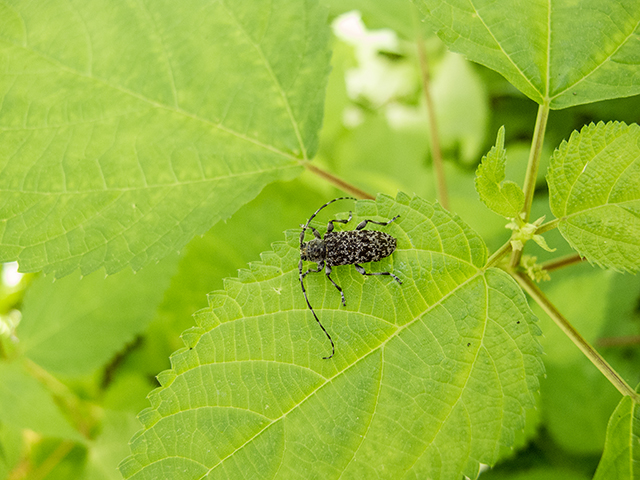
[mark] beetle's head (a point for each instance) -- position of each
(313, 250)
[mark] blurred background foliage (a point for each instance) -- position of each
(375, 136)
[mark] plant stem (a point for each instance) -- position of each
(601, 364)
(534, 158)
(498, 255)
(46, 467)
(338, 182)
(561, 262)
(71, 404)
(436, 151)
(532, 169)
(619, 341)
(550, 225)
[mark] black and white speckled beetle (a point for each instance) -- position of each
(351, 247)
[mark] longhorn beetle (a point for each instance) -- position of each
(351, 247)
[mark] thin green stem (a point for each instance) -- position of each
(619, 341)
(436, 151)
(498, 255)
(561, 262)
(43, 469)
(534, 158)
(550, 225)
(532, 170)
(76, 409)
(338, 182)
(591, 353)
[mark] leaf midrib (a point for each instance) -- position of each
(327, 380)
(161, 106)
(517, 67)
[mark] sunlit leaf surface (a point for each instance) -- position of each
(128, 128)
(430, 377)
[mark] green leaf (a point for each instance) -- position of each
(504, 198)
(527, 472)
(207, 260)
(128, 128)
(594, 187)
(75, 325)
(621, 457)
(429, 378)
(25, 403)
(110, 447)
(555, 51)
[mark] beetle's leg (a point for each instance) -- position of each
(362, 224)
(330, 226)
(361, 270)
(327, 271)
(319, 269)
(316, 233)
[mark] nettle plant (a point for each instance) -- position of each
(129, 128)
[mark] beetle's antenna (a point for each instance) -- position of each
(306, 225)
(304, 229)
(333, 348)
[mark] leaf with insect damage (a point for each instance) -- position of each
(430, 377)
(126, 128)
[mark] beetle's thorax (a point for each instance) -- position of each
(313, 250)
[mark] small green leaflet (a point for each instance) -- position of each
(504, 198)
(430, 377)
(127, 128)
(621, 457)
(594, 189)
(592, 56)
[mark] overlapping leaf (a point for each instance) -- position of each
(556, 51)
(127, 128)
(621, 456)
(429, 377)
(594, 186)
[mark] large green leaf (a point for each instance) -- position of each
(429, 378)
(594, 187)
(621, 456)
(127, 128)
(560, 51)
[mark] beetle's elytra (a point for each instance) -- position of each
(343, 248)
